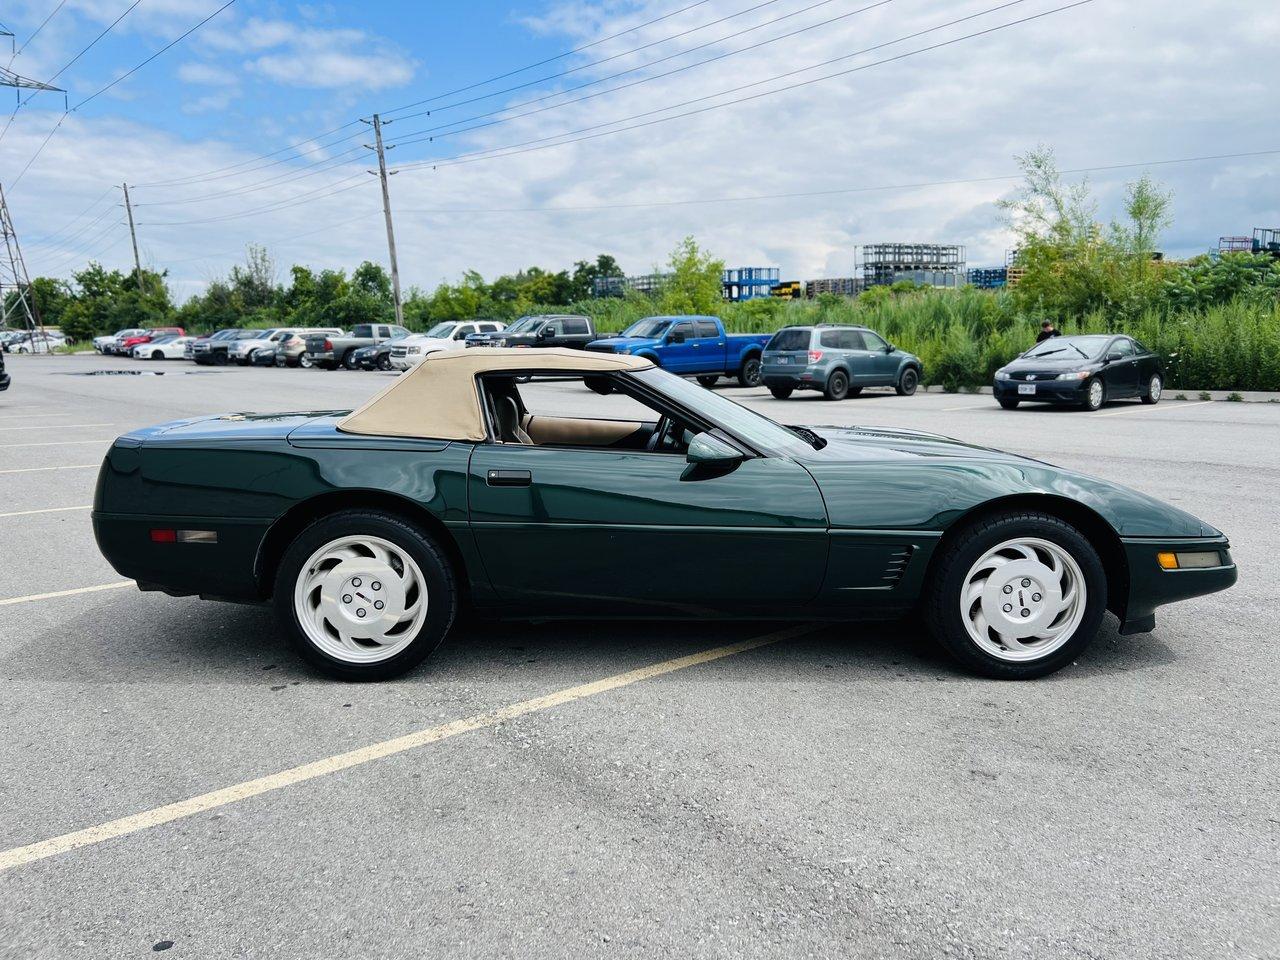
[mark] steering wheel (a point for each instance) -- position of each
(658, 439)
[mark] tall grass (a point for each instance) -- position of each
(964, 336)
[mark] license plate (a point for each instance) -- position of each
(1027, 389)
(784, 359)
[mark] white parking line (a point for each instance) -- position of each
(54, 443)
(1176, 405)
(74, 466)
(66, 593)
(124, 826)
(27, 513)
(55, 426)
(967, 406)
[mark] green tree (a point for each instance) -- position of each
(696, 284)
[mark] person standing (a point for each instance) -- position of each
(1047, 331)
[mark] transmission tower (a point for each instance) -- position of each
(17, 301)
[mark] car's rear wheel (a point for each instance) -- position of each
(837, 385)
(709, 381)
(305, 362)
(907, 382)
(1154, 390)
(780, 393)
(1095, 395)
(1007, 404)
(749, 372)
(365, 595)
(1016, 596)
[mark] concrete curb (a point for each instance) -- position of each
(1246, 396)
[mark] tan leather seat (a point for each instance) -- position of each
(509, 422)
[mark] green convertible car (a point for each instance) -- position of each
(455, 487)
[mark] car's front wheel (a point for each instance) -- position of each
(907, 382)
(1007, 404)
(157, 355)
(1095, 395)
(1154, 390)
(365, 595)
(384, 361)
(1017, 595)
(349, 360)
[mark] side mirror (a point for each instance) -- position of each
(676, 338)
(546, 333)
(1113, 357)
(889, 348)
(706, 449)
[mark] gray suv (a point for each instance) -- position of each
(838, 360)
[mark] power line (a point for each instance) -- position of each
(51, 240)
(540, 63)
(541, 143)
(94, 42)
(218, 173)
(351, 183)
(584, 66)
(53, 13)
(635, 83)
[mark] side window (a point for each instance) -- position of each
(1140, 346)
(852, 340)
(706, 328)
(488, 328)
(463, 330)
(832, 339)
(362, 331)
(1122, 346)
(399, 332)
(873, 340)
(683, 328)
(575, 327)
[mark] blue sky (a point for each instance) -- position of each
(1104, 83)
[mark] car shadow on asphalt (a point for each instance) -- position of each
(190, 641)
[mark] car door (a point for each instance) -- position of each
(712, 346)
(680, 357)
(577, 332)
(627, 530)
(882, 364)
(851, 350)
(1121, 372)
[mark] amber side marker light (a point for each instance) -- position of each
(1189, 561)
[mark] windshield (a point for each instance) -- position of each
(250, 334)
(1088, 347)
(756, 429)
(441, 331)
(524, 325)
(649, 327)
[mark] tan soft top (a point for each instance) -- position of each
(439, 398)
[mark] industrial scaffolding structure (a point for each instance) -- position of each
(840, 286)
(749, 283)
(929, 264)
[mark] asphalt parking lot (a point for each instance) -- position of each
(835, 792)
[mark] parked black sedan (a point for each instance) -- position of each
(1084, 371)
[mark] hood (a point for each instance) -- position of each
(618, 343)
(430, 343)
(854, 444)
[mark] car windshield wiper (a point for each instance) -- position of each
(1047, 353)
(1078, 350)
(808, 436)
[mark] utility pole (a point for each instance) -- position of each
(13, 276)
(386, 210)
(133, 235)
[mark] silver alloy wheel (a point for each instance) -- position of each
(1155, 388)
(360, 599)
(1023, 599)
(1095, 394)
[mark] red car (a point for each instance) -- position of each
(125, 346)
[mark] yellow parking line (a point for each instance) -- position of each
(1176, 405)
(20, 856)
(67, 593)
(27, 513)
(74, 466)
(54, 443)
(55, 426)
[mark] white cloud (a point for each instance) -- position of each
(207, 74)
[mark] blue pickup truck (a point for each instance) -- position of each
(691, 347)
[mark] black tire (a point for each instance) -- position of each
(709, 381)
(220, 359)
(781, 393)
(349, 360)
(907, 382)
(438, 574)
(1093, 400)
(384, 361)
(749, 372)
(942, 600)
(1008, 404)
(1154, 389)
(854, 391)
(157, 355)
(837, 387)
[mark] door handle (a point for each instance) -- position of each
(509, 478)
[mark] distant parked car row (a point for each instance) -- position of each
(26, 341)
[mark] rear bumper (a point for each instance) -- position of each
(1047, 391)
(798, 377)
(1151, 587)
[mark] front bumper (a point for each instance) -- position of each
(1047, 391)
(5, 380)
(1151, 586)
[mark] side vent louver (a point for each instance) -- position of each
(896, 567)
